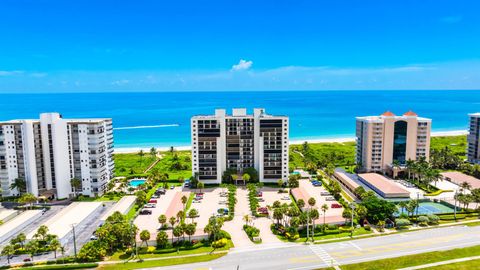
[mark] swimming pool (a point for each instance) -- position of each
(426, 208)
(137, 182)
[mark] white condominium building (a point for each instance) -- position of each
(473, 151)
(48, 152)
(240, 141)
(383, 139)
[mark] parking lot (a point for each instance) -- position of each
(208, 206)
(319, 193)
(270, 195)
(162, 206)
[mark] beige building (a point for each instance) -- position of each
(388, 137)
(473, 150)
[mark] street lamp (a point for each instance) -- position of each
(74, 240)
(455, 206)
(418, 202)
(352, 206)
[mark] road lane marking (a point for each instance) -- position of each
(323, 255)
(354, 245)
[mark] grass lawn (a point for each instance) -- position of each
(131, 164)
(166, 262)
(467, 265)
(177, 164)
(414, 260)
(333, 236)
(168, 252)
(343, 154)
(458, 144)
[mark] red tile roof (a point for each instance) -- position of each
(388, 113)
(410, 113)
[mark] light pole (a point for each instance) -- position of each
(418, 202)
(455, 206)
(308, 222)
(352, 206)
(74, 241)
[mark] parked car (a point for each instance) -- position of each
(155, 196)
(27, 260)
(286, 198)
(146, 212)
(336, 205)
(325, 193)
(161, 191)
(172, 187)
(259, 194)
(330, 198)
(262, 210)
(152, 201)
(93, 237)
(150, 205)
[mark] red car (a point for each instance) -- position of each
(152, 201)
(262, 210)
(336, 205)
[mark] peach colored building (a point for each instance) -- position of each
(388, 137)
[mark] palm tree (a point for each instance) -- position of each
(153, 152)
(324, 210)
(403, 205)
(190, 230)
(200, 185)
(20, 184)
(162, 219)
(8, 251)
(409, 164)
(312, 202)
(54, 246)
(246, 178)
(141, 154)
(172, 221)
(145, 236)
(28, 198)
(76, 184)
(184, 201)
(395, 167)
(465, 186)
(193, 213)
(247, 219)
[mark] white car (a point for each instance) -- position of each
(150, 205)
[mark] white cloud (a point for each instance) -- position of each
(242, 65)
(10, 72)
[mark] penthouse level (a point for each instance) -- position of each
(239, 141)
(48, 152)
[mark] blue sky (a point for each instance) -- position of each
(72, 46)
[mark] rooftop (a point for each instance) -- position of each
(459, 178)
(383, 185)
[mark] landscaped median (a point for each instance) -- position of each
(415, 260)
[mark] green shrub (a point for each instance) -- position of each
(402, 223)
(220, 243)
(367, 228)
(433, 219)
(423, 220)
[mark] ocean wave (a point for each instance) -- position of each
(153, 126)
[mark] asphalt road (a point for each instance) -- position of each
(299, 257)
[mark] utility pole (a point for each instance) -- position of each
(455, 206)
(308, 223)
(74, 241)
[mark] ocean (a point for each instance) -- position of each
(163, 119)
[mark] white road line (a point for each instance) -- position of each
(354, 245)
(322, 254)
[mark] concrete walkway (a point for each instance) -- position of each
(441, 263)
(235, 226)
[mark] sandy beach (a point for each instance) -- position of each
(121, 150)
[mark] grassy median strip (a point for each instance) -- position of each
(164, 262)
(467, 265)
(414, 260)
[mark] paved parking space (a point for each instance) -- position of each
(270, 195)
(209, 205)
(150, 222)
(332, 215)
